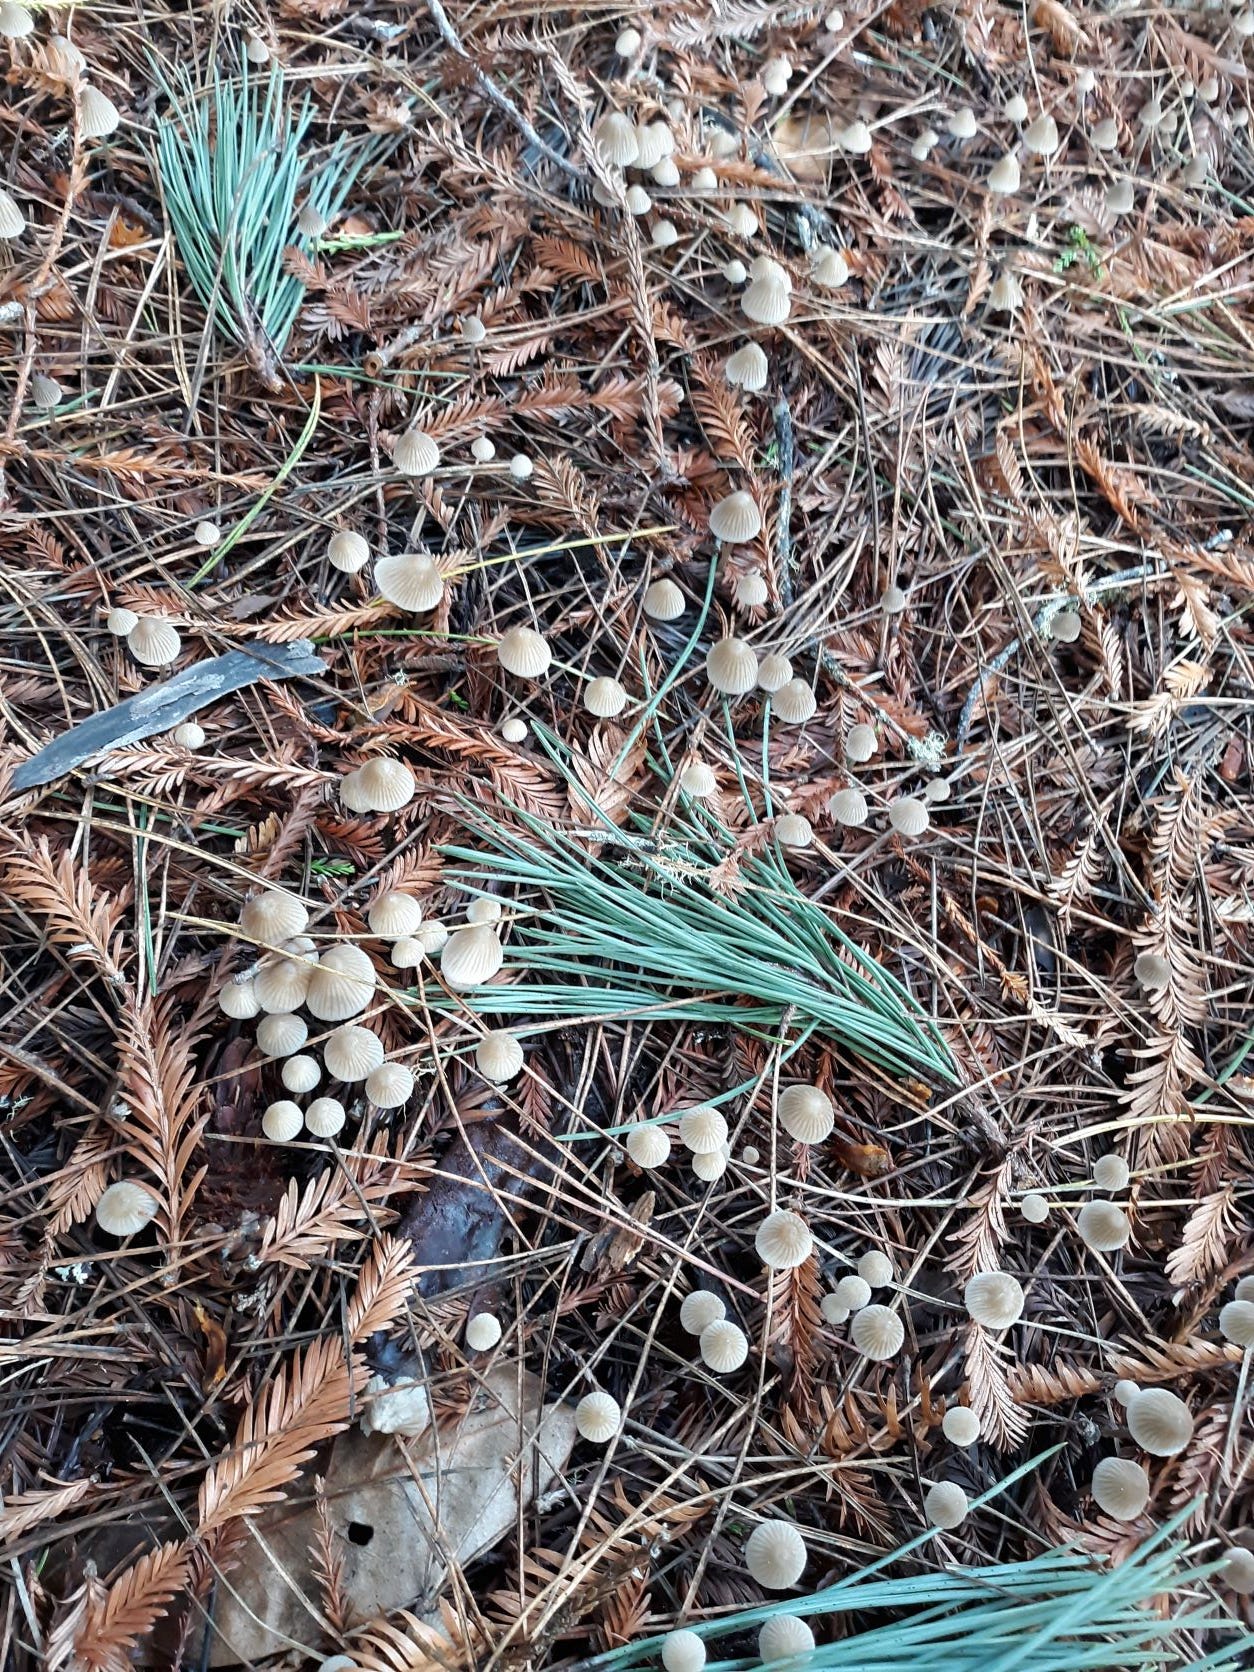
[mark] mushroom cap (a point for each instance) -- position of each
(1005, 175)
(617, 139)
(848, 806)
(876, 1268)
(735, 271)
(499, 1056)
(483, 1331)
(45, 392)
(1065, 626)
(279, 1035)
(909, 816)
(664, 234)
(637, 200)
(1104, 135)
(698, 780)
(207, 533)
(483, 449)
(853, 1292)
(341, 984)
(1111, 1172)
(524, 652)
(16, 21)
(1237, 1572)
(1034, 1208)
(876, 1331)
(415, 453)
(1120, 1488)
(775, 1555)
(1244, 1289)
(994, 1299)
(348, 551)
(520, 467)
(855, 137)
(732, 667)
(407, 953)
(741, 221)
(793, 704)
(794, 831)
(272, 917)
(1120, 197)
(750, 590)
(325, 1117)
(1103, 1226)
(893, 600)
(784, 1637)
(860, 743)
(484, 909)
(120, 620)
(514, 729)
(432, 936)
(962, 124)
(352, 1052)
(648, 1146)
(1015, 109)
(711, 1164)
(282, 981)
(390, 1085)
(189, 735)
(832, 1310)
(598, 1417)
(806, 1113)
(682, 1651)
(125, 1208)
(665, 172)
(282, 1121)
(767, 299)
(747, 368)
(393, 914)
(700, 1309)
(98, 116)
(352, 794)
(300, 1074)
(604, 697)
(774, 672)
(154, 642)
(410, 580)
(783, 1240)
(1236, 1322)
(1041, 136)
(946, 1505)
(960, 1425)
(471, 956)
(663, 601)
(702, 1130)
(723, 1346)
(1125, 1391)
(704, 179)
(828, 267)
(1159, 1422)
(1152, 971)
(387, 784)
(736, 518)
(239, 1001)
(776, 74)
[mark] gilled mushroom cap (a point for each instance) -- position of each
(352, 1052)
(1111, 1172)
(98, 116)
(1159, 1422)
(962, 124)
(484, 909)
(909, 816)
(416, 453)
(324, 1117)
(1005, 176)
(682, 1651)
(1121, 1488)
(732, 667)
(699, 1310)
(648, 1146)
(1034, 1208)
(876, 1268)
(654, 143)
(188, 735)
(702, 1130)
(784, 1637)
(300, 1074)
(125, 1208)
(483, 1331)
(1103, 1226)
(272, 917)
(855, 137)
(341, 985)
(279, 1035)
(723, 1346)
(960, 1425)
(794, 703)
(238, 1000)
(736, 518)
(410, 580)
(750, 590)
(16, 21)
(741, 221)
(471, 956)
(946, 1505)
(860, 743)
(828, 267)
(848, 806)
(994, 1299)
(774, 673)
(282, 1121)
(604, 697)
(616, 138)
(390, 1085)
(154, 642)
(524, 652)
(514, 729)
(282, 981)
(120, 620)
(698, 780)
(794, 831)
(388, 784)
(499, 1056)
(783, 1240)
(1041, 136)
(747, 368)
(853, 1292)
(393, 914)
(806, 1113)
(767, 299)
(598, 1417)
(1236, 1322)
(775, 1555)
(663, 601)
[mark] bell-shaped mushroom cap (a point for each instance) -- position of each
(783, 1240)
(16, 21)
(848, 806)
(682, 1651)
(389, 1085)
(1104, 135)
(120, 620)
(698, 780)
(731, 667)
(388, 784)
(483, 1331)
(853, 1292)
(348, 551)
(648, 1146)
(524, 652)
(794, 703)
(45, 392)
(280, 1034)
(393, 914)
(702, 1130)
(876, 1331)
(282, 1121)
(1004, 176)
(736, 518)
(1041, 136)
(514, 728)
(654, 143)
(598, 1417)
(1236, 1322)
(484, 909)
(794, 831)
(860, 743)
(699, 1310)
(1121, 1488)
(1103, 1226)
(499, 1056)
(855, 138)
(909, 816)
(828, 267)
(663, 601)
(238, 1000)
(774, 673)
(750, 590)
(723, 1346)
(664, 234)
(960, 1425)
(1015, 109)
(876, 1268)
(483, 449)
(1006, 296)
(1159, 1422)
(1111, 1172)
(775, 1555)
(604, 697)
(616, 138)
(1034, 1208)
(188, 735)
(946, 1505)
(1237, 1572)
(352, 1052)
(747, 368)
(300, 1074)
(341, 985)
(272, 917)
(994, 1299)
(767, 299)
(741, 221)
(154, 642)
(784, 1637)
(416, 453)
(98, 116)
(1152, 971)
(282, 981)
(962, 124)
(125, 1208)
(410, 580)
(471, 956)
(806, 1113)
